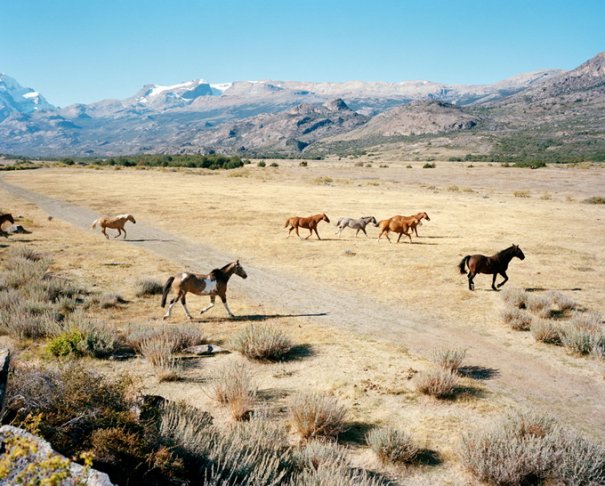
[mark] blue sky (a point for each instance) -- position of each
(86, 50)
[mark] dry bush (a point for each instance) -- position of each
(562, 301)
(546, 331)
(515, 297)
(436, 383)
(522, 194)
(540, 305)
(517, 319)
(584, 334)
(315, 415)
(182, 335)
(392, 446)
(334, 476)
(448, 359)
(262, 342)
(148, 286)
(111, 300)
(527, 448)
(235, 388)
(316, 454)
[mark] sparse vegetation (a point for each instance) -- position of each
(546, 331)
(392, 446)
(515, 297)
(522, 194)
(323, 181)
(209, 161)
(262, 342)
(449, 359)
(429, 165)
(314, 415)
(594, 200)
(148, 286)
(234, 387)
(517, 319)
(437, 383)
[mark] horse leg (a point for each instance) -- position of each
(364, 232)
(400, 235)
(103, 228)
(310, 233)
(409, 236)
(124, 230)
(471, 284)
(170, 306)
(224, 299)
(184, 304)
(207, 308)
(503, 273)
(315, 229)
(297, 233)
(119, 232)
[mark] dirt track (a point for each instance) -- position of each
(578, 398)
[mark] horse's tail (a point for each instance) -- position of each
(94, 223)
(166, 289)
(287, 223)
(462, 264)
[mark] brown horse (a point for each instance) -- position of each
(213, 284)
(113, 222)
(397, 224)
(495, 264)
(420, 216)
(309, 223)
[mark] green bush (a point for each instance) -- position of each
(262, 163)
(66, 344)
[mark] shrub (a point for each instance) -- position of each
(392, 446)
(261, 164)
(436, 383)
(66, 344)
(562, 301)
(583, 335)
(181, 336)
(148, 286)
(449, 359)
(594, 200)
(540, 305)
(525, 448)
(429, 165)
(158, 351)
(303, 163)
(108, 301)
(234, 387)
(262, 342)
(315, 415)
(515, 297)
(522, 194)
(274, 164)
(518, 319)
(545, 331)
(319, 453)
(323, 181)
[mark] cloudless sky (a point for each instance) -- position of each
(86, 50)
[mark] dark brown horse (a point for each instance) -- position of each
(309, 223)
(495, 264)
(213, 284)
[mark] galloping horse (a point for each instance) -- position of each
(495, 264)
(113, 222)
(213, 284)
(357, 224)
(397, 224)
(309, 223)
(420, 216)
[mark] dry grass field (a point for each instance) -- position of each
(380, 308)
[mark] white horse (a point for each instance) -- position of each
(356, 224)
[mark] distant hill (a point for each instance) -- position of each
(553, 115)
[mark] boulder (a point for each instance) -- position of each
(31, 459)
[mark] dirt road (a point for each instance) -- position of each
(576, 396)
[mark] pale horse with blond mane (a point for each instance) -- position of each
(113, 222)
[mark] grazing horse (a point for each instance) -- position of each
(356, 224)
(397, 224)
(113, 222)
(213, 284)
(309, 223)
(495, 264)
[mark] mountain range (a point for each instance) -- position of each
(552, 114)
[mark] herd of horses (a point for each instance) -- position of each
(215, 283)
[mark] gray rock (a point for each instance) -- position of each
(205, 349)
(42, 452)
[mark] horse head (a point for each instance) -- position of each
(325, 217)
(373, 220)
(518, 252)
(130, 217)
(8, 217)
(425, 216)
(239, 270)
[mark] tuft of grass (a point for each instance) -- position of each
(522, 194)
(181, 336)
(234, 387)
(148, 286)
(525, 448)
(448, 359)
(437, 383)
(314, 415)
(584, 334)
(392, 446)
(540, 305)
(316, 454)
(562, 301)
(322, 181)
(111, 300)
(515, 297)
(262, 342)
(517, 319)
(594, 200)
(546, 331)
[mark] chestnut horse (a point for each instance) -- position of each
(113, 222)
(495, 264)
(213, 284)
(420, 216)
(309, 223)
(397, 224)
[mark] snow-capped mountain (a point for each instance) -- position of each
(14, 98)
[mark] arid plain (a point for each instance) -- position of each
(368, 313)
